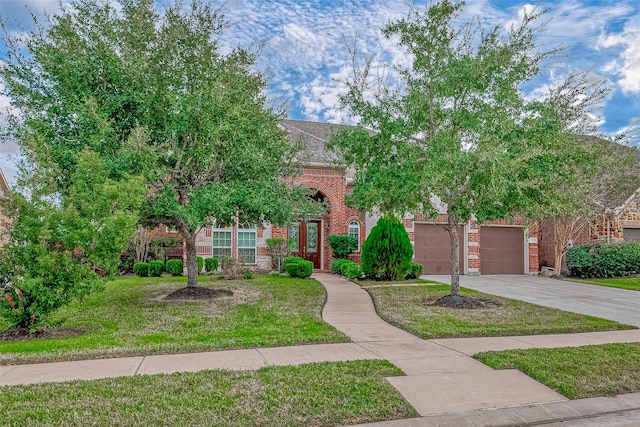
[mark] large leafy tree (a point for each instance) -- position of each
(62, 246)
(155, 94)
(455, 129)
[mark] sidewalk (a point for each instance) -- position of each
(443, 383)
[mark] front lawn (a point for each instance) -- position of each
(129, 318)
(576, 372)
(630, 283)
(408, 308)
(322, 394)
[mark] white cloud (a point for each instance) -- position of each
(628, 66)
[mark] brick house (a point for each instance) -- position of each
(499, 247)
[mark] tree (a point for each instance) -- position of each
(387, 252)
(616, 172)
(61, 246)
(154, 95)
(456, 128)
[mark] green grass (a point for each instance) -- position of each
(122, 321)
(630, 283)
(578, 372)
(321, 394)
(405, 308)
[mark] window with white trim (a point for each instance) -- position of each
(221, 242)
(247, 243)
(354, 231)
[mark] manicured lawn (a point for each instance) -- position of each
(580, 372)
(124, 320)
(405, 308)
(631, 283)
(323, 394)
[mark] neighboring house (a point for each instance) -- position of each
(618, 221)
(5, 221)
(498, 247)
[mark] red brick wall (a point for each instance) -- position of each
(333, 186)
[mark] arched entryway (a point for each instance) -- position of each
(308, 236)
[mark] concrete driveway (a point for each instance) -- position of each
(610, 303)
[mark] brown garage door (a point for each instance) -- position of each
(433, 249)
(501, 250)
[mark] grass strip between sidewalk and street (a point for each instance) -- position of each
(320, 394)
(129, 318)
(575, 372)
(411, 309)
(629, 283)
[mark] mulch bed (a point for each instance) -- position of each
(195, 293)
(460, 301)
(22, 334)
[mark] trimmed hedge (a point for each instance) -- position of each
(211, 264)
(338, 264)
(174, 267)
(342, 245)
(604, 260)
(352, 270)
(200, 262)
(141, 269)
(298, 267)
(415, 271)
(345, 267)
(156, 268)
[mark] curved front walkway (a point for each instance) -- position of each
(439, 379)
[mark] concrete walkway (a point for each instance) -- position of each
(620, 305)
(443, 383)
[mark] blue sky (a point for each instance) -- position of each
(306, 55)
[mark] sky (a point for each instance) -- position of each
(306, 54)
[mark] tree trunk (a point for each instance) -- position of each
(192, 262)
(452, 228)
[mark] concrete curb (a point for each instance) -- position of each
(530, 415)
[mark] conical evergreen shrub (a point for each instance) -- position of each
(387, 252)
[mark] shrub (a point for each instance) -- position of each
(156, 268)
(211, 264)
(141, 269)
(352, 270)
(337, 265)
(415, 271)
(174, 267)
(299, 267)
(342, 245)
(278, 249)
(292, 258)
(606, 260)
(200, 262)
(387, 252)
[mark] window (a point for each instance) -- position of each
(247, 244)
(293, 236)
(354, 231)
(221, 242)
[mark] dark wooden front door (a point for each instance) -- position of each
(308, 236)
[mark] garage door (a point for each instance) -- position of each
(501, 250)
(632, 234)
(432, 248)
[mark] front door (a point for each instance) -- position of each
(308, 236)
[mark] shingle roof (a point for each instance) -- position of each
(314, 137)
